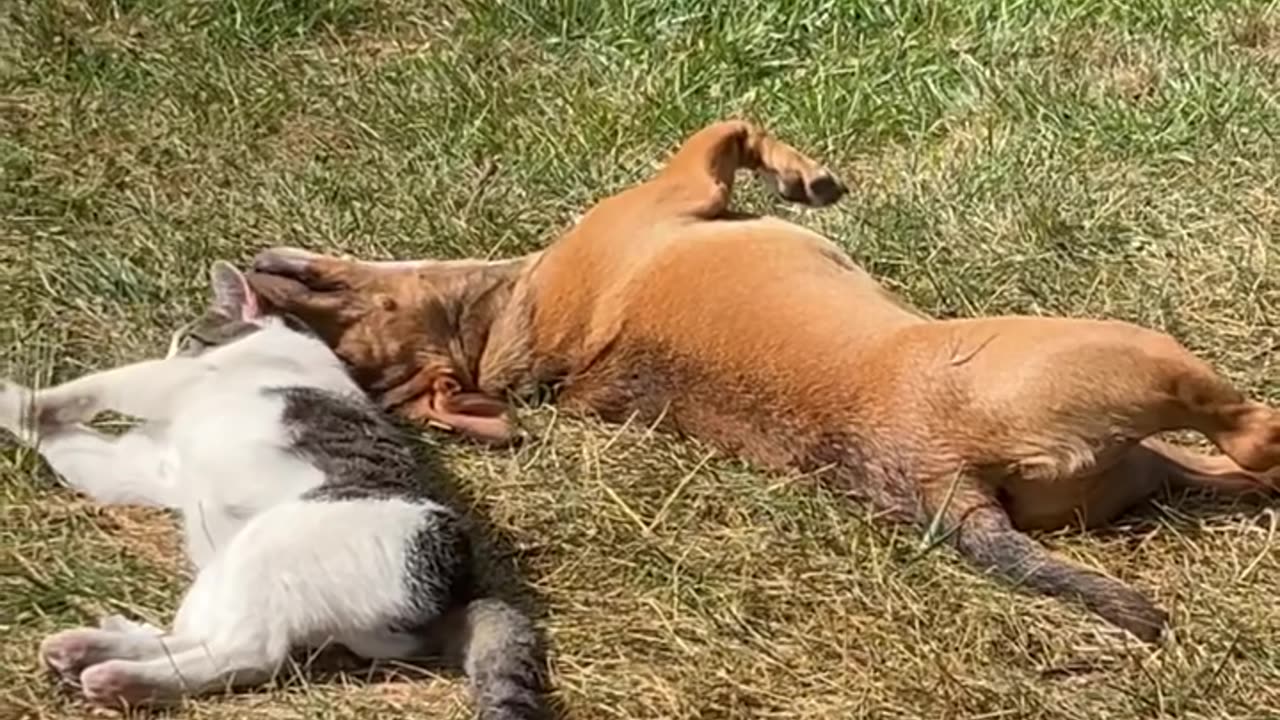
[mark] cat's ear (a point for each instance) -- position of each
(232, 295)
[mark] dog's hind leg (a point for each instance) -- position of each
(1099, 495)
(1067, 412)
(1166, 387)
(1218, 473)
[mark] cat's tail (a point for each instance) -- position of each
(503, 657)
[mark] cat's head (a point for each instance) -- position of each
(234, 313)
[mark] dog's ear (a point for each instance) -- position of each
(433, 396)
(471, 299)
(476, 415)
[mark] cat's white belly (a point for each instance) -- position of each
(233, 462)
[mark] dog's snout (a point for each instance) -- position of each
(287, 261)
(315, 272)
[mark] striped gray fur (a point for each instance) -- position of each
(365, 455)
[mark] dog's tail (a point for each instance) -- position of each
(987, 538)
(499, 649)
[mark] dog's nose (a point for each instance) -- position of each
(287, 261)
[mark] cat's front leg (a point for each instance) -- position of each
(132, 468)
(16, 416)
(28, 413)
(31, 414)
(148, 390)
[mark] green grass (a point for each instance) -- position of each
(1097, 158)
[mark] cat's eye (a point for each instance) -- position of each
(187, 341)
(177, 340)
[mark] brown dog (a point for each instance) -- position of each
(764, 339)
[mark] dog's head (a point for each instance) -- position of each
(413, 334)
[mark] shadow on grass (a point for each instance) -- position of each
(496, 572)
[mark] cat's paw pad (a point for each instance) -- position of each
(114, 684)
(69, 652)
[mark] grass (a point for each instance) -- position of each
(1088, 158)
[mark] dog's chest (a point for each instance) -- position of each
(649, 385)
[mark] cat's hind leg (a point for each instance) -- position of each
(285, 581)
(228, 633)
(70, 652)
(198, 669)
(119, 623)
(384, 645)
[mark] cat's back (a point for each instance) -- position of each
(361, 451)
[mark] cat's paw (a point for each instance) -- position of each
(115, 684)
(68, 653)
(58, 408)
(25, 413)
(15, 412)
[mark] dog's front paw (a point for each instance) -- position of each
(805, 183)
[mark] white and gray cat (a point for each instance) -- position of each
(302, 512)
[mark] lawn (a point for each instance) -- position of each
(1093, 158)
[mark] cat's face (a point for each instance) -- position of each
(234, 314)
(211, 330)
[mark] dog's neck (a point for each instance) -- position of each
(495, 311)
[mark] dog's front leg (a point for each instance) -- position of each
(698, 179)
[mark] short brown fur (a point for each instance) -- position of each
(764, 339)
